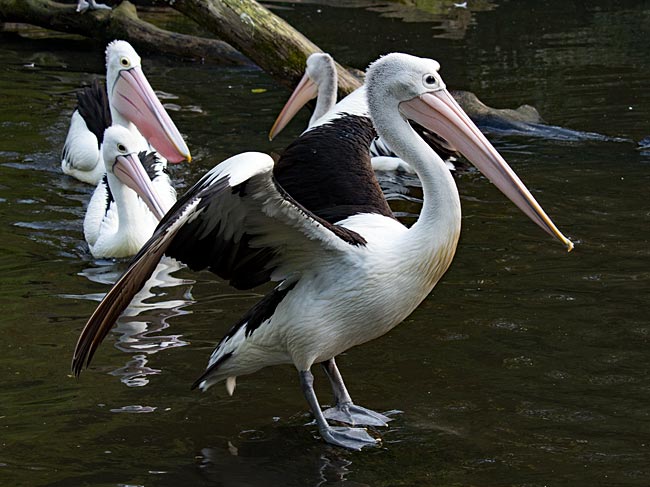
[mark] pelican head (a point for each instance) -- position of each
(319, 80)
(414, 87)
(120, 152)
(132, 98)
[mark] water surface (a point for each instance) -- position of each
(526, 366)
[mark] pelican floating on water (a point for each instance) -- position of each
(129, 101)
(346, 274)
(320, 81)
(130, 200)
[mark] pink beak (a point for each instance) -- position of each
(136, 101)
(129, 170)
(439, 112)
(305, 91)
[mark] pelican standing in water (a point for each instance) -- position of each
(320, 81)
(342, 281)
(129, 101)
(83, 5)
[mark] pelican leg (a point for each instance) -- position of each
(352, 438)
(345, 410)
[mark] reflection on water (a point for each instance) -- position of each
(142, 336)
(251, 463)
(452, 18)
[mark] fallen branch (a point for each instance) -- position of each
(269, 41)
(120, 23)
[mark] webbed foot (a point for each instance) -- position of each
(349, 413)
(351, 438)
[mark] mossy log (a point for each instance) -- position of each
(269, 41)
(120, 23)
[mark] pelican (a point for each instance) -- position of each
(128, 101)
(320, 81)
(83, 5)
(127, 204)
(342, 280)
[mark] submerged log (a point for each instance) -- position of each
(120, 23)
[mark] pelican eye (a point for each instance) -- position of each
(124, 61)
(121, 148)
(430, 79)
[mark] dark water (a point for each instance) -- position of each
(526, 366)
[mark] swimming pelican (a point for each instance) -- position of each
(128, 101)
(127, 204)
(320, 81)
(340, 284)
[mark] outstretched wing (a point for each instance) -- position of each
(237, 222)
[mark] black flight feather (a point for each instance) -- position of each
(92, 104)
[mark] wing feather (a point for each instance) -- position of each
(236, 221)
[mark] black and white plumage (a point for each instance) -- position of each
(81, 157)
(128, 100)
(342, 281)
(320, 81)
(130, 200)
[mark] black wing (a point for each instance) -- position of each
(92, 104)
(327, 169)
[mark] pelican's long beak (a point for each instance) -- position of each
(136, 101)
(305, 91)
(129, 170)
(439, 112)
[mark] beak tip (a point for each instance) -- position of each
(569, 245)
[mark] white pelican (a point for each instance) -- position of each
(320, 81)
(83, 5)
(340, 284)
(127, 204)
(129, 101)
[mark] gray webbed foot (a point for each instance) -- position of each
(352, 438)
(356, 415)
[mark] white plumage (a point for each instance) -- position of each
(118, 220)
